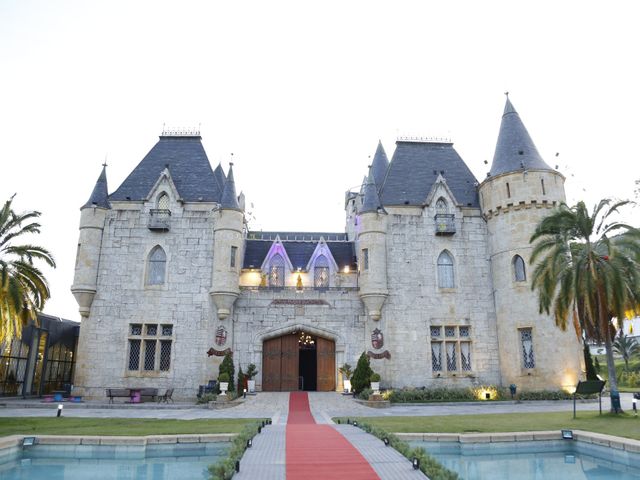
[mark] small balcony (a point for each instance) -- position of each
(159, 219)
(445, 224)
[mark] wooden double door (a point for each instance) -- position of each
(281, 364)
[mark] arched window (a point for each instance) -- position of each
(163, 202)
(276, 271)
(321, 272)
(156, 270)
(519, 269)
(445, 271)
(441, 206)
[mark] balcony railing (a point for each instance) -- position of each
(303, 289)
(160, 219)
(445, 224)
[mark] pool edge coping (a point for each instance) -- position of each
(611, 441)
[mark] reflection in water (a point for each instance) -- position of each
(535, 460)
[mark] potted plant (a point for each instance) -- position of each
(251, 372)
(223, 381)
(375, 383)
(346, 372)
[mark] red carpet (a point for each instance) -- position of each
(319, 451)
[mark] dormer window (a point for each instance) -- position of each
(276, 271)
(445, 222)
(159, 217)
(441, 206)
(321, 272)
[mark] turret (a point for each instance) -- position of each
(92, 219)
(228, 242)
(372, 254)
(519, 191)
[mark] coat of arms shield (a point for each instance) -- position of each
(221, 336)
(377, 340)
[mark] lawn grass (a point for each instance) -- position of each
(622, 425)
(118, 426)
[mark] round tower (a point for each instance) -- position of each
(92, 219)
(372, 254)
(519, 191)
(228, 243)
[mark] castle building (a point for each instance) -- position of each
(431, 277)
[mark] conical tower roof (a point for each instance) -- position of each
(371, 201)
(515, 150)
(220, 177)
(229, 198)
(379, 165)
(100, 195)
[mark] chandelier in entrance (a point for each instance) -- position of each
(305, 340)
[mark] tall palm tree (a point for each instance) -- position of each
(23, 287)
(587, 267)
(627, 347)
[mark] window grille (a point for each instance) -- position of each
(445, 271)
(464, 331)
(152, 329)
(526, 339)
(441, 206)
(136, 329)
(365, 258)
(519, 269)
(436, 356)
(435, 331)
(157, 266)
(163, 202)
(452, 357)
(234, 253)
(134, 354)
(449, 331)
(165, 355)
(276, 271)
(167, 330)
(321, 272)
(149, 355)
(465, 356)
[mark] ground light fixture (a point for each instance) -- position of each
(249, 443)
(259, 429)
(60, 407)
(416, 463)
(244, 393)
(355, 424)
(237, 465)
(567, 434)
(386, 441)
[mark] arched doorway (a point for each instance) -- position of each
(298, 361)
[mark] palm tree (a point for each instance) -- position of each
(587, 266)
(23, 287)
(626, 347)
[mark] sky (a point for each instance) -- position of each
(300, 93)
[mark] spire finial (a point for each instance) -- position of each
(506, 94)
(105, 160)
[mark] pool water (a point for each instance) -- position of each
(75, 462)
(558, 459)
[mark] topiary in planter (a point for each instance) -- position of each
(227, 367)
(361, 375)
(375, 377)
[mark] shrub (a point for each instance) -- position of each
(596, 365)
(227, 367)
(206, 398)
(252, 371)
(346, 371)
(592, 374)
(242, 380)
(223, 378)
(375, 377)
(428, 465)
(361, 375)
(365, 394)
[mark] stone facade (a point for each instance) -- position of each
(424, 279)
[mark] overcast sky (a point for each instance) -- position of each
(301, 92)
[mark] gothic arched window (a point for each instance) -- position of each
(163, 202)
(157, 266)
(321, 272)
(445, 271)
(441, 206)
(519, 269)
(276, 271)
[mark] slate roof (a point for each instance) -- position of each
(371, 201)
(379, 165)
(188, 164)
(299, 252)
(414, 169)
(229, 198)
(100, 195)
(515, 150)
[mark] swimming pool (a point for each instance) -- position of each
(555, 459)
(75, 462)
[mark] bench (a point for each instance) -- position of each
(117, 392)
(149, 393)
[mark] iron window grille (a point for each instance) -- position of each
(234, 253)
(150, 347)
(445, 224)
(365, 258)
(276, 271)
(457, 349)
(134, 354)
(526, 341)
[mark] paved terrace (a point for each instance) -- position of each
(324, 405)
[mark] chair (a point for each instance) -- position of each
(166, 397)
